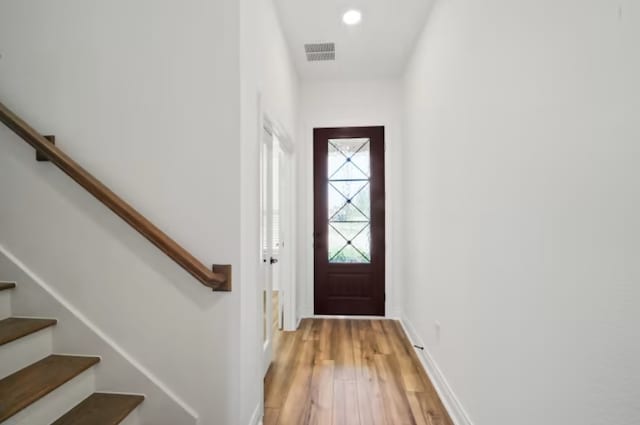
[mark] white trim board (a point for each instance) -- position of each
(93, 328)
(288, 286)
(256, 418)
(305, 206)
(451, 402)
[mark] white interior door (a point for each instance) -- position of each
(268, 239)
(283, 234)
(285, 242)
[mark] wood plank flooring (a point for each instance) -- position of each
(349, 372)
(102, 409)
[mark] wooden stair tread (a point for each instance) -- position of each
(101, 409)
(14, 328)
(28, 385)
(5, 285)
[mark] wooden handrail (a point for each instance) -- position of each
(218, 278)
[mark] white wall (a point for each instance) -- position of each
(269, 86)
(522, 207)
(279, 88)
(350, 104)
(249, 318)
(278, 78)
(145, 95)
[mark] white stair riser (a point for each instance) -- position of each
(25, 351)
(132, 419)
(5, 304)
(55, 404)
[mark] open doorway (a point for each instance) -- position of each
(277, 231)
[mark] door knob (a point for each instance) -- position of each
(273, 260)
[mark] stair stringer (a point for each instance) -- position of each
(75, 334)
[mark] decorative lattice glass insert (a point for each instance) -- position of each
(349, 187)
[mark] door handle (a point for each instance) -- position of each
(273, 260)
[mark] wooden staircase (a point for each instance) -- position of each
(56, 389)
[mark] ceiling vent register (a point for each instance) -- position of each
(320, 52)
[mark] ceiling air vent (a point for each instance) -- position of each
(320, 52)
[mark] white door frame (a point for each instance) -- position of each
(305, 209)
(286, 256)
(266, 247)
(287, 221)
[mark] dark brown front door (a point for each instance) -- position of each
(349, 221)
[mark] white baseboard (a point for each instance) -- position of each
(164, 395)
(451, 402)
(256, 418)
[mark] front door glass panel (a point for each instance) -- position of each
(349, 201)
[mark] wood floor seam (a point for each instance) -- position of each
(349, 372)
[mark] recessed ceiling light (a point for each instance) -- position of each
(352, 17)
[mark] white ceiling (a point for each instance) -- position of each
(378, 47)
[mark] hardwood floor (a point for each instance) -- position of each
(349, 372)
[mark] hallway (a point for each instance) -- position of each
(349, 372)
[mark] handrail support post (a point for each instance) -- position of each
(40, 157)
(223, 269)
